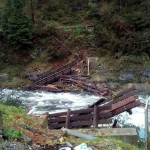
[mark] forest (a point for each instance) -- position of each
(36, 33)
(119, 27)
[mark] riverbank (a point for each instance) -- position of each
(32, 131)
(107, 70)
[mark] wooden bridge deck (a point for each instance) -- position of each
(103, 109)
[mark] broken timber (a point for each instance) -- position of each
(63, 74)
(53, 76)
(125, 100)
(89, 87)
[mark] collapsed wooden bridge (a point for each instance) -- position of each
(63, 75)
(52, 76)
(98, 112)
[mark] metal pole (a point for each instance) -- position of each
(146, 124)
(88, 66)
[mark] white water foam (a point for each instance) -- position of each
(41, 102)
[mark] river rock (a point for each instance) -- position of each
(14, 146)
(27, 139)
(126, 77)
(145, 76)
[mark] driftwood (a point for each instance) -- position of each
(89, 87)
(77, 134)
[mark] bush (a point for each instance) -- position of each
(16, 26)
(11, 133)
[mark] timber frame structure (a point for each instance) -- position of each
(97, 113)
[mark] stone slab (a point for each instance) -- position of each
(119, 131)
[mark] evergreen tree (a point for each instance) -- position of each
(16, 26)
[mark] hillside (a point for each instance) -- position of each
(115, 29)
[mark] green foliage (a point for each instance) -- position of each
(104, 15)
(11, 133)
(107, 143)
(140, 20)
(10, 110)
(16, 26)
(8, 113)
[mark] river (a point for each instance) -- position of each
(38, 102)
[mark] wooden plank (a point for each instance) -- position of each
(98, 102)
(121, 103)
(81, 123)
(104, 115)
(123, 97)
(107, 102)
(126, 95)
(101, 108)
(124, 91)
(48, 73)
(56, 126)
(125, 108)
(124, 102)
(85, 111)
(53, 77)
(89, 110)
(82, 117)
(57, 119)
(68, 118)
(57, 114)
(95, 116)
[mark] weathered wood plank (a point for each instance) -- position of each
(85, 111)
(82, 117)
(124, 91)
(101, 108)
(104, 115)
(57, 114)
(68, 119)
(52, 78)
(81, 123)
(98, 102)
(123, 97)
(57, 119)
(130, 93)
(125, 108)
(121, 103)
(56, 125)
(95, 116)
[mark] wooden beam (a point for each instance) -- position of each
(68, 118)
(95, 116)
